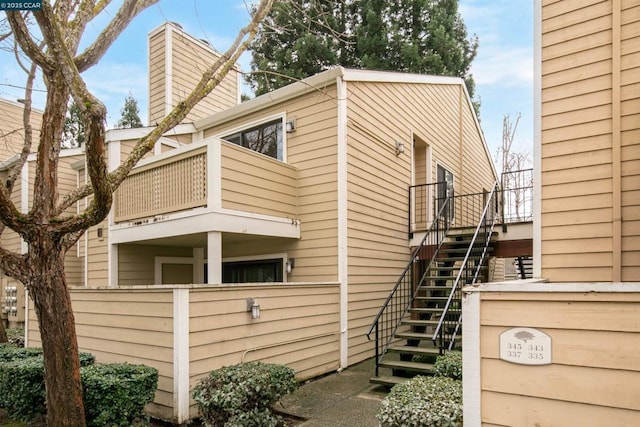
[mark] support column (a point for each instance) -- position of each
(181, 355)
(214, 257)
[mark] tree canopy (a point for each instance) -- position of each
(300, 38)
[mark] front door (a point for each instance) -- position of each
(445, 196)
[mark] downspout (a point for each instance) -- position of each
(343, 276)
(537, 138)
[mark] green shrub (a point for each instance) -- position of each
(16, 336)
(449, 365)
(22, 392)
(242, 395)
(423, 402)
(115, 394)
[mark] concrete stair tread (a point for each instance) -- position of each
(414, 349)
(408, 366)
(414, 336)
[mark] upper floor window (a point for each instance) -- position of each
(265, 138)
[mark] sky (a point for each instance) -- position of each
(503, 68)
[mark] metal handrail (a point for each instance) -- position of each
(395, 322)
(445, 312)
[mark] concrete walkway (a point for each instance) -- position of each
(344, 399)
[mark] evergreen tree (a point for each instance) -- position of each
(129, 113)
(303, 37)
(73, 133)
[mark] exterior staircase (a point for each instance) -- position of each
(422, 316)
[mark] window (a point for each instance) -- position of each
(265, 138)
(258, 271)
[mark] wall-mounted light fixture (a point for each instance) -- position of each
(399, 147)
(290, 264)
(253, 307)
(100, 233)
(291, 125)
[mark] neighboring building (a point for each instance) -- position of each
(586, 238)
(12, 134)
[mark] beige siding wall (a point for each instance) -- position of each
(255, 183)
(136, 266)
(311, 149)
(589, 141)
(378, 180)
(157, 76)
(68, 182)
(126, 326)
(12, 128)
(299, 326)
(630, 139)
(183, 62)
(594, 379)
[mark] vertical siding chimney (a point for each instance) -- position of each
(176, 63)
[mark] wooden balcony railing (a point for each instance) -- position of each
(169, 185)
(178, 180)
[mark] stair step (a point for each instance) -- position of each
(407, 366)
(413, 349)
(413, 336)
(388, 381)
(420, 322)
(441, 278)
(435, 288)
(432, 310)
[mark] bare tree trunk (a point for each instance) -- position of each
(3, 333)
(52, 303)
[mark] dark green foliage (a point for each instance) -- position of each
(423, 402)
(22, 392)
(73, 133)
(16, 336)
(242, 395)
(115, 394)
(449, 365)
(130, 114)
(300, 38)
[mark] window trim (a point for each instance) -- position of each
(257, 123)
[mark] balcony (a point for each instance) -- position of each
(211, 174)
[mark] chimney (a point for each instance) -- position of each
(177, 61)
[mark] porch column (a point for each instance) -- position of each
(214, 257)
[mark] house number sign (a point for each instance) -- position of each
(525, 346)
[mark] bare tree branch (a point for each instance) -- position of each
(128, 10)
(27, 44)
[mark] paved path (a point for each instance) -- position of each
(344, 399)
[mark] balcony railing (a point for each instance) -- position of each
(515, 199)
(169, 185)
(209, 172)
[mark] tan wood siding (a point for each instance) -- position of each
(589, 160)
(137, 262)
(630, 139)
(378, 181)
(311, 149)
(98, 256)
(190, 60)
(157, 77)
(587, 331)
(126, 326)
(256, 183)
(12, 128)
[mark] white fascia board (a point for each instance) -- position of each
(540, 286)
(175, 152)
(203, 221)
(353, 75)
(537, 138)
(311, 84)
(125, 134)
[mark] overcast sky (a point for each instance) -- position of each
(503, 69)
